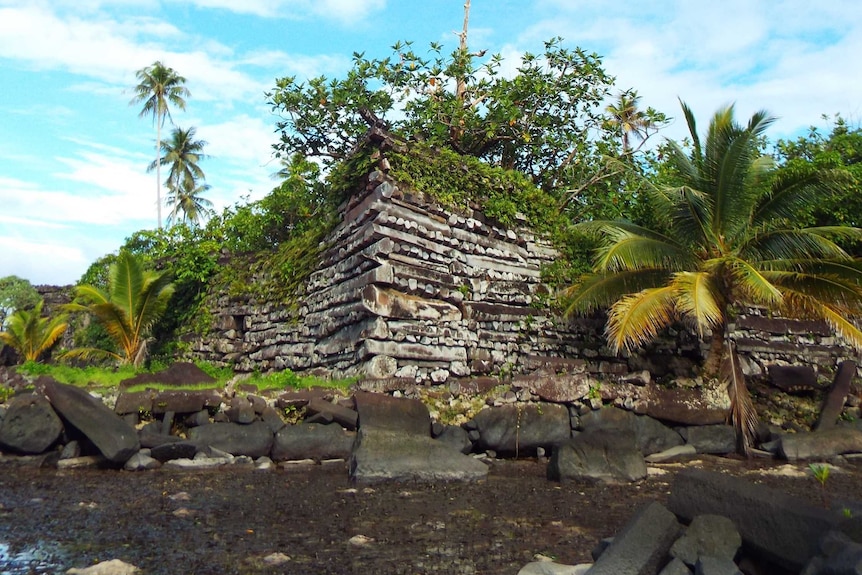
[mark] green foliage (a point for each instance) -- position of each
(16, 294)
(127, 308)
(90, 376)
(287, 379)
(32, 335)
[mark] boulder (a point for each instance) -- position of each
(380, 411)
(112, 436)
(240, 410)
(456, 437)
(680, 406)
(793, 378)
(521, 429)
(345, 417)
(651, 436)
(707, 536)
(384, 455)
(30, 425)
(641, 547)
(718, 439)
(312, 441)
(777, 527)
(253, 440)
(822, 444)
(174, 450)
(603, 455)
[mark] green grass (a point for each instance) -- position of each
(287, 379)
(79, 376)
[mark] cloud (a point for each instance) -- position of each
(343, 11)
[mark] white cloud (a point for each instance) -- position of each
(343, 11)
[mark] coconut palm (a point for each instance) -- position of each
(159, 87)
(630, 120)
(132, 302)
(182, 153)
(30, 334)
(730, 239)
(188, 206)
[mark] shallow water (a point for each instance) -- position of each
(42, 559)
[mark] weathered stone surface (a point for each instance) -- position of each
(113, 437)
(456, 437)
(134, 402)
(788, 537)
(650, 435)
(707, 536)
(344, 416)
(30, 425)
(408, 416)
(833, 402)
(253, 440)
(793, 378)
(715, 566)
(821, 444)
(680, 406)
(718, 439)
(394, 304)
(521, 429)
(174, 450)
(312, 441)
(558, 388)
(675, 567)
(642, 546)
(141, 462)
(609, 456)
(180, 401)
(240, 410)
(383, 455)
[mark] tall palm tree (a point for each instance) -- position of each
(730, 238)
(182, 153)
(128, 308)
(187, 205)
(30, 334)
(159, 87)
(629, 119)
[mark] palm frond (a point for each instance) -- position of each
(753, 284)
(637, 318)
(600, 290)
(743, 415)
(796, 244)
(698, 299)
(795, 190)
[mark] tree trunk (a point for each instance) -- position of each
(716, 351)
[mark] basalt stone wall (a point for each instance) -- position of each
(409, 289)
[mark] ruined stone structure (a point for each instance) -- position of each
(409, 289)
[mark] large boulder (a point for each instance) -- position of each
(112, 436)
(641, 547)
(602, 455)
(381, 411)
(775, 526)
(385, 455)
(650, 435)
(520, 429)
(254, 440)
(822, 444)
(312, 441)
(30, 426)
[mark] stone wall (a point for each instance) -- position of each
(410, 289)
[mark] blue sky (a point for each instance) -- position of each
(73, 153)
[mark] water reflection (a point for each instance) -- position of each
(42, 559)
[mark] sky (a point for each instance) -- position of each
(74, 153)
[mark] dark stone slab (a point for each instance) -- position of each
(608, 456)
(651, 436)
(30, 425)
(679, 406)
(346, 418)
(822, 444)
(641, 547)
(833, 402)
(134, 402)
(777, 527)
(300, 398)
(175, 450)
(184, 402)
(515, 429)
(254, 439)
(557, 388)
(793, 378)
(717, 439)
(312, 441)
(707, 536)
(240, 410)
(407, 416)
(383, 455)
(112, 436)
(457, 437)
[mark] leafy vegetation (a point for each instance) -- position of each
(730, 237)
(32, 335)
(16, 294)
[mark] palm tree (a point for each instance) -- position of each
(730, 239)
(182, 153)
(629, 119)
(30, 334)
(132, 302)
(188, 202)
(159, 87)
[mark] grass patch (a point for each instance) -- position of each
(283, 380)
(79, 376)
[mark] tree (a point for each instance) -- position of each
(629, 120)
(187, 204)
(16, 294)
(730, 238)
(159, 87)
(542, 122)
(30, 334)
(132, 302)
(185, 179)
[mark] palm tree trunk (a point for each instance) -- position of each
(159, 170)
(716, 351)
